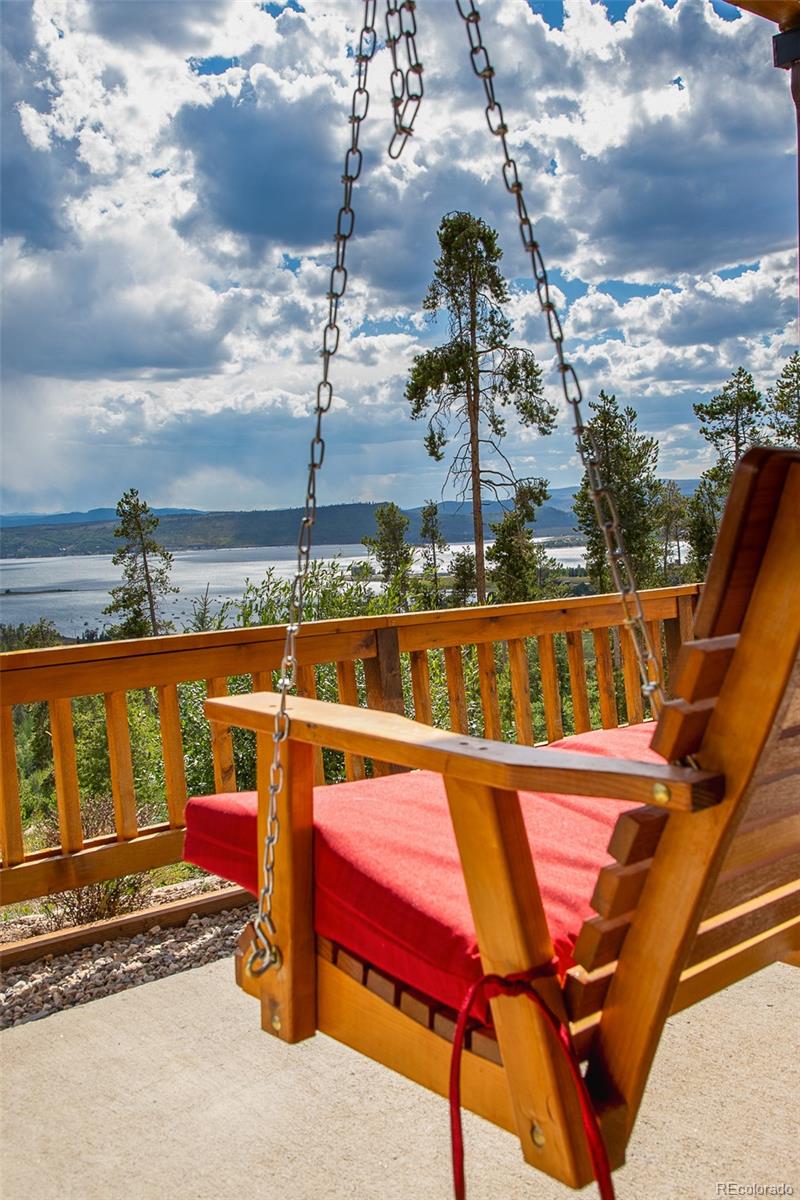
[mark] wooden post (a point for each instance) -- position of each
(172, 749)
(550, 693)
(348, 694)
(288, 991)
(11, 841)
(487, 673)
(521, 690)
(577, 680)
(384, 681)
(605, 679)
(65, 767)
(307, 686)
(119, 757)
(221, 743)
(513, 936)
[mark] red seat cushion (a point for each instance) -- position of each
(389, 885)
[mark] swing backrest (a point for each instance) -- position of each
(692, 904)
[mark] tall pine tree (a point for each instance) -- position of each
(627, 460)
(146, 569)
(783, 405)
(462, 387)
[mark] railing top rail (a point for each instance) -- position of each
(263, 635)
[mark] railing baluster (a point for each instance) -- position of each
(421, 686)
(521, 690)
(307, 686)
(577, 681)
(262, 681)
(65, 769)
(631, 678)
(550, 693)
(169, 718)
(11, 840)
(221, 742)
(487, 673)
(348, 694)
(605, 679)
(654, 630)
(384, 682)
(454, 667)
(119, 757)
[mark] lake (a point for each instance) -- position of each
(72, 591)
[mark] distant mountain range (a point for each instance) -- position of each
(32, 535)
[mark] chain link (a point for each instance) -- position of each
(265, 952)
(604, 504)
(407, 88)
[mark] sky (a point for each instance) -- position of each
(171, 178)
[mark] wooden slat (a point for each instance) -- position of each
(551, 696)
(172, 749)
(681, 728)
(702, 666)
(605, 679)
(348, 694)
(221, 741)
(358, 1018)
(745, 719)
(772, 799)
(577, 682)
(384, 682)
(657, 645)
(11, 841)
(756, 916)
(307, 686)
(65, 767)
(686, 608)
(262, 681)
(421, 686)
(521, 691)
(487, 675)
(636, 834)
(121, 763)
(631, 677)
(456, 691)
(512, 936)
(47, 875)
(168, 915)
(672, 649)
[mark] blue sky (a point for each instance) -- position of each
(171, 180)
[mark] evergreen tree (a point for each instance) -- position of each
(627, 461)
(517, 563)
(783, 405)
(670, 518)
(732, 421)
(463, 581)
(146, 569)
(390, 547)
(703, 513)
(435, 545)
(462, 386)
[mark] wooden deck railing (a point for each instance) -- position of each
(508, 670)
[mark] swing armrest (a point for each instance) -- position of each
(389, 737)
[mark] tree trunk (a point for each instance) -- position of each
(473, 409)
(148, 583)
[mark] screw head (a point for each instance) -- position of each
(661, 793)
(537, 1134)
(276, 1022)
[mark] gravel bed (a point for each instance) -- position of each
(34, 990)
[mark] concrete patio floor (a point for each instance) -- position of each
(169, 1090)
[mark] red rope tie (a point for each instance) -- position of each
(522, 985)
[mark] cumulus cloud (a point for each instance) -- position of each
(172, 175)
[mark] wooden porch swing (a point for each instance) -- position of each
(699, 888)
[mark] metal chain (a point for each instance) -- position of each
(265, 952)
(407, 89)
(602, 498)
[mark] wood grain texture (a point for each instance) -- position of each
(307, 686)
(121, 764)
(487, 677)
(634, 703)
(65, 768)
(221, 741)
(11, 841)
(348, 694)
(512, 936)
(521, 691)
(551, 695)
(604, 668)
(421, 686)
(577, 682)
(456, 690)
(169, 718)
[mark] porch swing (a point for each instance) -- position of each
(439, 922)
